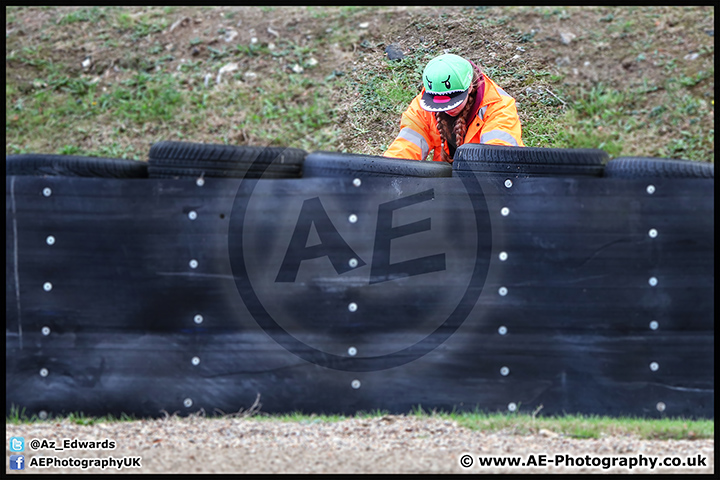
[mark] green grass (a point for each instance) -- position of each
(572, 426)
(93, 14)
(590, 426)
(148, 95)
(605, 117)
(18, 417)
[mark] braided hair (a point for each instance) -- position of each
(443, 119)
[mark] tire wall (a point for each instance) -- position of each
(581, 295)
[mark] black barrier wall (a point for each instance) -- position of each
(328, 295)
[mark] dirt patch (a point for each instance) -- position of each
(389, 444)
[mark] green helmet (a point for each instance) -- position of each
(446, 79)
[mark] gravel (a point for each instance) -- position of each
(389, 444)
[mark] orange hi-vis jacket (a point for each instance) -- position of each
(496, 123)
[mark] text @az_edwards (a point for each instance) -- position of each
(71, 444)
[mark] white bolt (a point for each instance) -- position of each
(654, 366)
(660, 406)
(192, 215)
(653, 281)
(355, 384)
(200, 182)
(353, 262)
(352, 218)
(512, 407)
(44, 372)
(42, 414)
(654, 325)
(353, 307)
(357, 182)
(503, 291)
(508, 183)
(198, 319)
(504, 371)
(193, 263)
(650, 189)
(195, 361)
(502, 330)
(653, 233)
(187, 402)
(505, 211)
(50, 240)
(47, 192)
(47, 286)
(45, 331)
(352, 351)
(503, 256)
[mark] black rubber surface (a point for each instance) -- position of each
(199, 172)
(131, 326)
(334, 164)
(644, 167)
(524, 161)
(186, 159)
(74, 166)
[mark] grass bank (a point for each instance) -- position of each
(111, 81)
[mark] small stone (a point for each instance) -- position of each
(312, 61)
(692, 56)
(180, 23)
(297, 68)
(566, 37)
(86, 63)
(230, 34)
(364, 25)
(230, 67)
(393, 52)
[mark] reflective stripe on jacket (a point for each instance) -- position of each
(496, 123)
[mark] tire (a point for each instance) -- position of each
(334, 164)
(644, 167)
(179, 173)
(192, 160)
(74, 166)
(528, 161)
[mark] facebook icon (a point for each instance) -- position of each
(17, 462)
